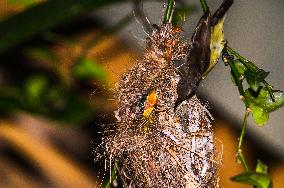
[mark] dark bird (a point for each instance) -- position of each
(206, 45)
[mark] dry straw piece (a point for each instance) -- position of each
(155, 144)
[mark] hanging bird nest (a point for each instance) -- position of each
(157, 145)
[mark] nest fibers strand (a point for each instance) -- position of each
(173, 148)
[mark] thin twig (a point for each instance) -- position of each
(243, 160)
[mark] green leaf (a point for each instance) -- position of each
(89, 69)
(261, 104)
(259, 115)
(261, 75)
(239, 72)
(249, 65)
(253, 178)
(240, 67)
(254, 79)
(263, 99)
(252, 82)
(261, 167)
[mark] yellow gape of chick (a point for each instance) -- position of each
(149, 108)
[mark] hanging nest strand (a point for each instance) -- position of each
(156, 145)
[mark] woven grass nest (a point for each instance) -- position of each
(169, 147)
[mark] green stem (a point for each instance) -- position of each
(236, 75)
(169, 12)
(204, 5)
(243, 130)
(243, 160)
(240, 154)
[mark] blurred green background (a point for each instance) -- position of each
(60, 61)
